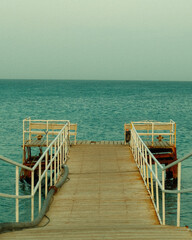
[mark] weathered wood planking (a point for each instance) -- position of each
(105, 198)
(148, 126)
(37, 143)
(159, 144)
(51, 126)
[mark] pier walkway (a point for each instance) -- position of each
(105, 198)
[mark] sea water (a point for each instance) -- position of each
(100, 108)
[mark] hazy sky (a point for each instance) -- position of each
(96, 39)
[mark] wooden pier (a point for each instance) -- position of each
(105, 198)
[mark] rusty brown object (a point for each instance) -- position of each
(39, 137)
(53, 187)
(166, 156)
(160, 138)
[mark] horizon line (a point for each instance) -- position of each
(49, 79)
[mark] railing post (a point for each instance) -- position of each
(139, 152)
(29, 129)
(68, 136)
(47, 133)
(144, 164)
(152, 133)
(63, 148)
(171, 135)
(17, 194)
(178, 194)
(46, 160)
(32, 195)
(151, 176)
(60, 152)
(135, 148)
(131, 140)
(142, 159)
(133, 144)
(58, 159)
(55, 165)
(39, 187)
(23, 140)
(157, 188)
(147, 171)
(51, 167)
(163, 197)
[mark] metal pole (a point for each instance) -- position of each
(163, 197)
(60, 152)
(55, 159)
(23, 140)
(29, 129)
(39, 187)
(66, 143)
(171, 136)
(142, 159)
(147, 171)
(151, 175)
(136, 149)
(157, 188)
(139, 153)
(178, 194)
(17, 193)
(152, 133)
(63, 151)
(32, 196)
(58, 159)
(51, 167)
(46, 160)
(47, 134)
(144, 163)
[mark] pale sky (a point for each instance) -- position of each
(96, 39)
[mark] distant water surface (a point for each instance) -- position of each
(100, 108)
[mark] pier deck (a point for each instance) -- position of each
(105, 198)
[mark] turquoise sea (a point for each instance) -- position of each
(100, 108)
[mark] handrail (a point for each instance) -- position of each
(14, 196)
(160, 165)
(48, 148)
(58, 150)
(177, 161)
(153, 128)
(5, 159)
(143, 158)
(4, 227)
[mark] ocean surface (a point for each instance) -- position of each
(100, 108)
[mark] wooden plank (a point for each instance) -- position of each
(37, 143)
(157, 144)
(73, 126)
(51, 126)
(148, 126)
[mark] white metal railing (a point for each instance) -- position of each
(46, 128)
(150, 129)
(144, 158)
(58, 150)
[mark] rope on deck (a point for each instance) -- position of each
(12, 226)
